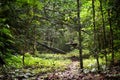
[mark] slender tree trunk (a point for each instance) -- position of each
(95, 36)
(25, 47)
(111, 36)
(23, 57)
(34, 43)
(34, 31)
(80, 36)
(104, 31)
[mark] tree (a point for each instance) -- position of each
(103, 31)
(80, 36)
(95, 36)
(111, 34)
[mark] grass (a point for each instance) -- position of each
(41, 63)
(45, 62)
(52, 56)
(90, 61)
(92, 64)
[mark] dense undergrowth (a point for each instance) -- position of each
(49, 63)
(56, 61)
(40, 63)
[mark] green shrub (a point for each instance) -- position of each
(47, 62)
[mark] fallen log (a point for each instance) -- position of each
(55, 50)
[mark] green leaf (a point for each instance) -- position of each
(11, 41)
(1, 44)
(6, 32)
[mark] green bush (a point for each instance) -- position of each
(46, 63)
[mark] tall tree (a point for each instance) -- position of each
(95, 36)
(80, 36)
(111, 35)
(103, 31)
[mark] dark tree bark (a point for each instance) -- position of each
(34, 43)
(23, 57)
(80, 36)
(34, 32)
(95, 36)
(111, 35)
(103, 31)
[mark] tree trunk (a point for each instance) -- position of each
(95, 36)
(34, 43)
(34, 32)
(80, 36)
(104, 31)
(23, 58)
(111, 36)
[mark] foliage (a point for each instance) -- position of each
(42, 63)
(6, 40)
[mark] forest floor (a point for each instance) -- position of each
(72, 72)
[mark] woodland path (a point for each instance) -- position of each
(71, 73)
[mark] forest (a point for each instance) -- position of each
(59, 39)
